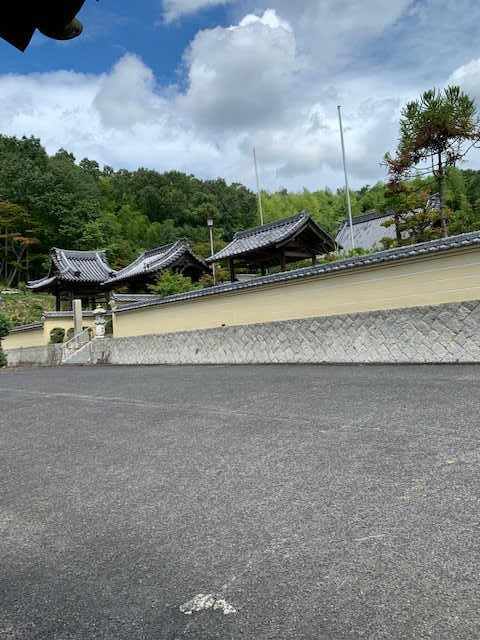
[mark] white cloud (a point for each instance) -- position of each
(333, 29)
(468, 78)
(174, 9)
(242, 75)
(268, 81)
(126, 94)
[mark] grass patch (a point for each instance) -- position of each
(24, 307)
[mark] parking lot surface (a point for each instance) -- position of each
(256, 502)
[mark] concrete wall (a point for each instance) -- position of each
(434, 334)
(50, 355)
(450, 276)
(39, 334)
(30, 336)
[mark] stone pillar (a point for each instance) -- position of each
(77, 317)
(99, 322)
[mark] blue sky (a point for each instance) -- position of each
(194, 85)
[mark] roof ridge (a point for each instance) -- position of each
(162, 249)
(272, 225)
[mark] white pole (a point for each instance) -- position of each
(260, 210)
(211, 249)
(346, 178)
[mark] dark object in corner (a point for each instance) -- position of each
(54, 18)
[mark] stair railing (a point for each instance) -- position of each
(75, 343)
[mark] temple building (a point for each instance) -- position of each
(177, 257)
(276, 243)
(75, 274)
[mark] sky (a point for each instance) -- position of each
(195, 85)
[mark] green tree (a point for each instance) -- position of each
(414, 219)
(168, 284)
(436, 132)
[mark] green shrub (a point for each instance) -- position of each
(70, 332)
(109, 327)
(168, 284)
(4, 329)
(5, 325)
(57, 334)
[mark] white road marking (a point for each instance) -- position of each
(203, 602)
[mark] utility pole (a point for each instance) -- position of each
(346, 178)
(210, 228)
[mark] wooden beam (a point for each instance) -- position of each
(232, 270)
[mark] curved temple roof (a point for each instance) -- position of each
(274, 235)
(74, 267)
(156, 260)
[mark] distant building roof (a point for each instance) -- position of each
(165, 257)
(278, 234)
(69, 267)
(368, 230)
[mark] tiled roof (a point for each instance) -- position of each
(26, 327)
(269, 235)
(365, 217)
(127, 298)
(75, 267)
(391, 255)
(155, 260)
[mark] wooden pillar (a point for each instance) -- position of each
(232, 270)
(314, 260)
(263, 270)
(283, 263)
(57, 300)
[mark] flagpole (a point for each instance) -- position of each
(346, 178)
(260, 210)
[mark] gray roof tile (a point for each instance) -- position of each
(155, 260)
(74, 267)
(268, 235)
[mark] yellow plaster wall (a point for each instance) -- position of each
(451, 276)
(25, 338)
(64, 323)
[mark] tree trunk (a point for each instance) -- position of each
(398, 233)
(441, 185)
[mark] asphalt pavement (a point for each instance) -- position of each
(254, 502)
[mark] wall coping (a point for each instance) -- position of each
(461, 241)
(26, 327)
(69, 314)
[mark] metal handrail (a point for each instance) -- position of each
(75, 343)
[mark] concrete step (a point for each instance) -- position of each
(81, 356)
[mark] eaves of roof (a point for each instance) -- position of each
(272, 234)
(357, 262)
(155, 260)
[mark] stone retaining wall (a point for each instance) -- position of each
(442, 333)
(432, 334)
(47, 356)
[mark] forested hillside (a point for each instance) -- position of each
(56, 200)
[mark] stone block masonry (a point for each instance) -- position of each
(445, 333)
